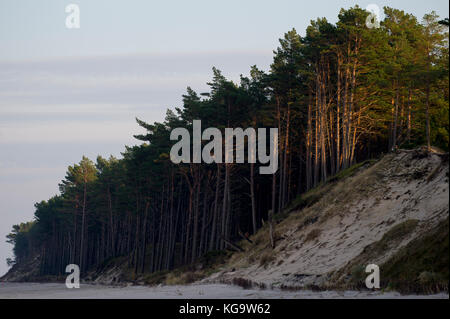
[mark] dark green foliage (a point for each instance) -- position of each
(421, 266)
(393, 235)
(351, 170)
(355, 270)
(21, 237)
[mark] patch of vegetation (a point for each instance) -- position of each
(394, 234)
(422, 266)
(183, 278)
(202, 268)
(314, 195)
(261, 236)
(110, 262)
(352, 170)
(353, 275)
(290, 288)
(358, 276)
(304, 200)
(266, 259)
(313, 234)
(155, 278)
(246, 283)
(277, 218)
(213, 258)
(242, 282)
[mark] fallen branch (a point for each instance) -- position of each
(245, 237)
(229, 243)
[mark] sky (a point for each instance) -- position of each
(65, 93)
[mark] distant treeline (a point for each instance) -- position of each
(340, 94)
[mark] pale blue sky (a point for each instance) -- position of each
(35, 28)
(65, 93)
